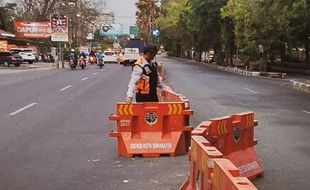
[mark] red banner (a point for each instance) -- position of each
(33, 29)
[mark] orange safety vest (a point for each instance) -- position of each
(143, 85)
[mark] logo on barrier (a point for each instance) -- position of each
(236, 134)
(151, 118)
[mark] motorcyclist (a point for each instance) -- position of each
(73, 56)
(100, 56)
(92, 57)
(82, 56)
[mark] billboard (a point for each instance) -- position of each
(111, 29)
(33, 29)
(59, 26)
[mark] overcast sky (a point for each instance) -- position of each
(124, 11)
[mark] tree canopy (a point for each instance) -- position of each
(228, 25)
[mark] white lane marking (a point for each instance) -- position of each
(253, 91)
(65, 88)
(102, 70)
(304, 111)
(95, 73)
(226, 80)
(85, 78)
(22, 109)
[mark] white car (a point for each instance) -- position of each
(131, 55)
(26, 54)
(109, 56)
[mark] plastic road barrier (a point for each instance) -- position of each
(152, 129)
(234, 136)
(209, 171)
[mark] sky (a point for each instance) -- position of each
(124, 11)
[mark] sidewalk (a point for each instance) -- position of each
(26, 67)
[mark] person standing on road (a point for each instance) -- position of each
(144, 77)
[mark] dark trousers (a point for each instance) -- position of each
(152, 97)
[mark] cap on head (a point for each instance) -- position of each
(150, 48)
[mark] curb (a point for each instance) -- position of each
(300, 86)
(253, 73)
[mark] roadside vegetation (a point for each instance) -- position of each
(254, 30)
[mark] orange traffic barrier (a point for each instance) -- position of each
(152, 129)
(226, 177)
(201, 159)
(209, 171)
(234, 137)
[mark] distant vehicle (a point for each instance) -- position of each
(133, 50)
(9, 58)
(26, 54)
(109, 56)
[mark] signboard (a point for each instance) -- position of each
(156, 32)
(59, 25)
(111, 29)
(33, 29)
(133, 30)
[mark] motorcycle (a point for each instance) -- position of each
(100, 63)
(82, 62)
(73, 64)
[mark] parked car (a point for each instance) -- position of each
(9, 58)
(109, 56)
(26, 54)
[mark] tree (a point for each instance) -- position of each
(147, 13)
(82, 15)
(257, 22)
(300, 22)
(206, 22)
(8, 15)
(173, 23)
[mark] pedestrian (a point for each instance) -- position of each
(144, 77)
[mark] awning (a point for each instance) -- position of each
(6, 34)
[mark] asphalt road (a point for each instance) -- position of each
(54, 128)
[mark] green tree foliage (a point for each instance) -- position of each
(206, 22)
(275, 25)
(174, 26)
(193, 23)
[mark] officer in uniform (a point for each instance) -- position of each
(144, 78)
